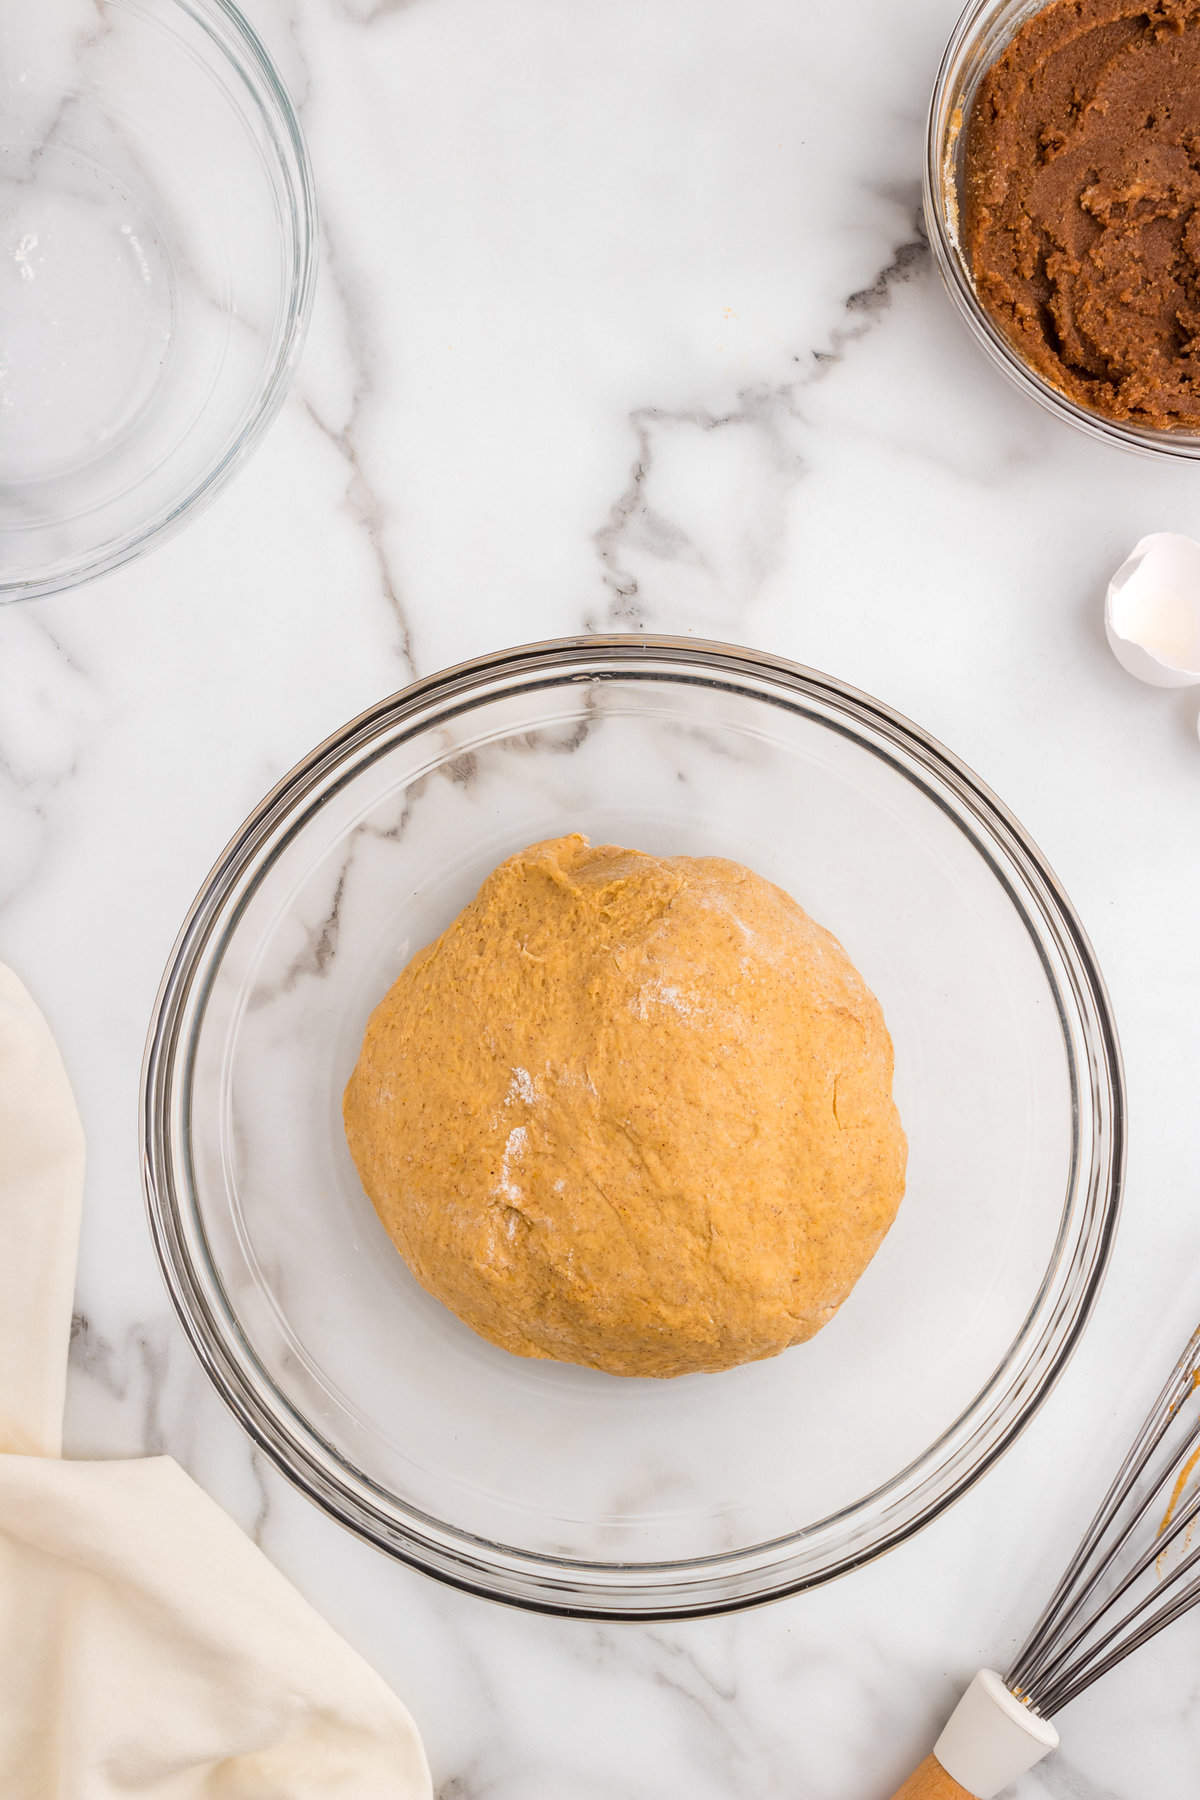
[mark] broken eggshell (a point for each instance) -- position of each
(1152, 611)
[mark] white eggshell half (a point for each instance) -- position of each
(1152, 611)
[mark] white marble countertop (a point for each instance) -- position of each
(625, 319)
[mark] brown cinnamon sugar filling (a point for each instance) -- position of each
(1081, 205)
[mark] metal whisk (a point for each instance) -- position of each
(1136, 1570)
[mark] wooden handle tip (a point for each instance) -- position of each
(931, 1782)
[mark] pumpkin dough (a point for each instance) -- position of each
(631, 1112)
(1081, 203)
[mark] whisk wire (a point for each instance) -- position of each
(1062, 1656)
(1068, 1674)
(1171, 1471)
(1151, 1628)
(1062, 1606)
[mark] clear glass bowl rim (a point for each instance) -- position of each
(237, 39)
(974, 21)
(698, 1586)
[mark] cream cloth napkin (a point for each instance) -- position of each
(146, 1647)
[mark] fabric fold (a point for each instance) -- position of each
(41, 1188)
(148, 1648)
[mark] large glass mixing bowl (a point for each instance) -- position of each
(157, 257)
(557, 1487)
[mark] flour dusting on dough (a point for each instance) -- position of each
(663, 993)
(514, 1149)
(521, 1087)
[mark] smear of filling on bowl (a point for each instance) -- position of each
(632, 1112)
(1081, 204)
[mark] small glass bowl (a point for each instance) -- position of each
(559, 1488)
(978, 39)
(157, 258)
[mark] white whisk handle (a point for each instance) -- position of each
(990, 1739)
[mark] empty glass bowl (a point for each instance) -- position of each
(980, 36)
(157, 255)
(557, 1487)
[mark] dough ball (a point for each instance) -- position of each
(631, 1111)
